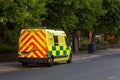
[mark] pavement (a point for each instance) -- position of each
(81, 56)
(84, 55)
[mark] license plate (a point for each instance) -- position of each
(25, 53)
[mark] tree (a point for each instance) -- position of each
(110, 22)
(22, 11)
(17, 13)
(61, 14)
(73, 15)
(88, 12)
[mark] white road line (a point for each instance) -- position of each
(112, 77)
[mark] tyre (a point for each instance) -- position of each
(24, 64)
(70, 59)
(51, 61)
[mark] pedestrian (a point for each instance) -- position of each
(91, 47)
(94, 45)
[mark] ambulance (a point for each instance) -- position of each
(43, 46)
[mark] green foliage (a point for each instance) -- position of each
(101, 42)
(98, 16)
(37, 10)
(61, 14)
(88, 12)
(92, 15)
(110, 22)
(11, 36)
(22, 11)
(5, 48)
(84, 41)
(112, 41)
(9, 43)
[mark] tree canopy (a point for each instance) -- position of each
(92, 15)
(88, 12)
(22, 12)
(61, 14)
(98, 16)
(110, 21)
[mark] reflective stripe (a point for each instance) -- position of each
(33, 42)
(59, 50)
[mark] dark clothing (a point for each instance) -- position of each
(91, 48)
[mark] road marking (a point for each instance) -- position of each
(112, 77)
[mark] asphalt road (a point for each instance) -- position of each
(102, 68)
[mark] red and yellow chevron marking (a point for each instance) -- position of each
(32, 43)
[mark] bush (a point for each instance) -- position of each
(112, 41)
(9, 42)
(102, 42)
(84, 41)
(11, 36)
(5, 48)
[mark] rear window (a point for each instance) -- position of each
(56, 40)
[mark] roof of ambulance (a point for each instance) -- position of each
(52, 31)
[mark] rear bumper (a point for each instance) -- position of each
(33, 60)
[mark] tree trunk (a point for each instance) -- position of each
(90, 36)
(118, 39)
(1, 31)
(76, 41)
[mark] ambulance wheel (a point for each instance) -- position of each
(51, 61)
(70, 59)
(24, 64)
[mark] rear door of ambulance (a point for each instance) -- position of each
(32, 44)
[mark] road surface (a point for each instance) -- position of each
(102, 68)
